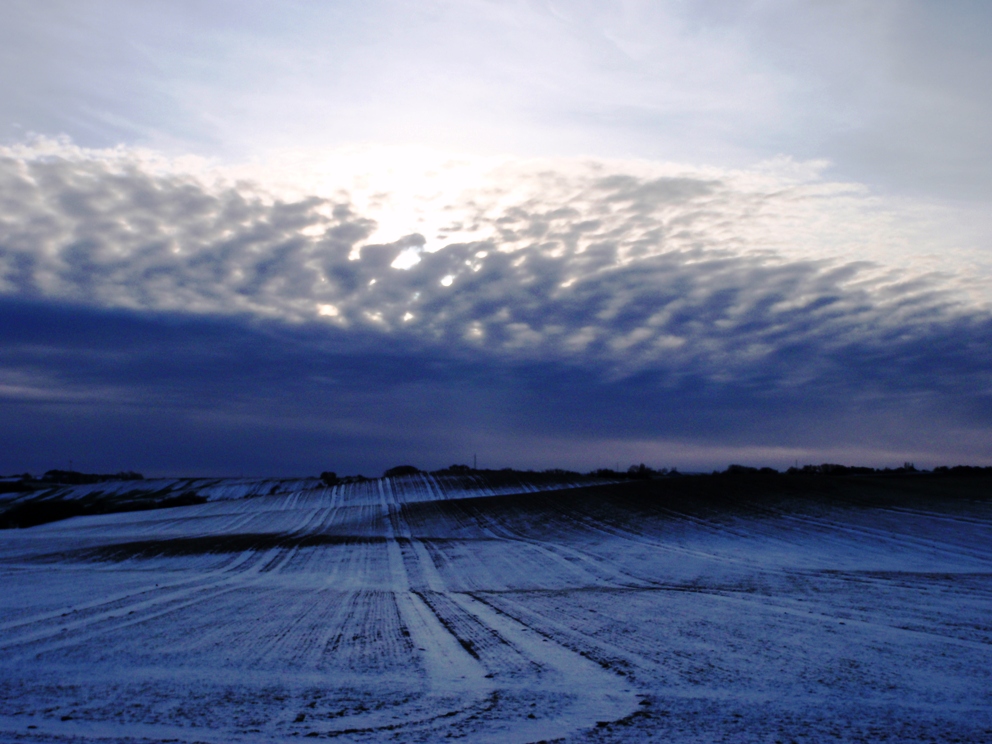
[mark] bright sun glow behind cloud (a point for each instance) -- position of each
(781, 207)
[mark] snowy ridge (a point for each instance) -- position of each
(419, 487)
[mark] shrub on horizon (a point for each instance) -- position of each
(400, 470)
(454, 470)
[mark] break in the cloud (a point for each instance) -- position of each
(559, 308)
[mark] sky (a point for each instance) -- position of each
(270, 238)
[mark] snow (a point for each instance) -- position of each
(420, 487)
(421, 608)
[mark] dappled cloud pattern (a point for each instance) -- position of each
(588, 266)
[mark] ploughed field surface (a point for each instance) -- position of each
(696, 609)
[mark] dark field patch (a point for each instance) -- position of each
(43, 511)
(715, 498)
(187, 546)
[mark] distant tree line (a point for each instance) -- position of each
(829, 468)
(24, 482)
(634, 472)
(644, 472)
(74, 478)
(331, 478)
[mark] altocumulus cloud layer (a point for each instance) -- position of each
(571, 310)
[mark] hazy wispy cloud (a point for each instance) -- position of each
(891, 93)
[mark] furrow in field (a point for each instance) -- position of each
(140, 610)
(878, 537)
(43, 643)
(330, 610)
(371, 637)
(631, 560)
(94, 611)
(573, 524)
(585, 567)
(610, 656)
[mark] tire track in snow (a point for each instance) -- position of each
(449, 669)
(507, 648)
(457, 635)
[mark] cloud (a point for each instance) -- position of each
(893, 93)
(581, 304)
(186, 393)
(620, 271)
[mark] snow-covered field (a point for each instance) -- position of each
(405, 610)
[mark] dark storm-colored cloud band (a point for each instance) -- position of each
(179, 392)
